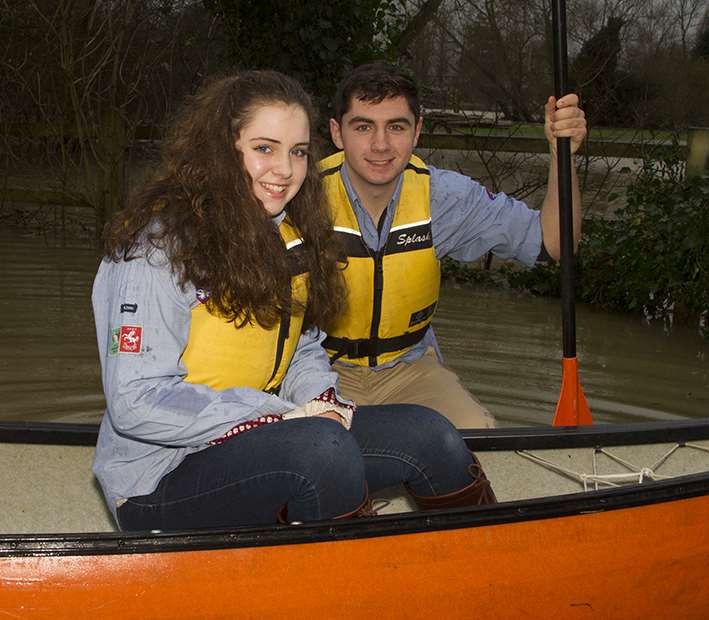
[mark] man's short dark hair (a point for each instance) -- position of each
(373, 83)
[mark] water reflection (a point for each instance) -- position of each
(49, 365)
(505, 346)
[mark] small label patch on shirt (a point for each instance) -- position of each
(132, 308)
(490, 195)
(203, 295)
(126, 339)
(115, 337)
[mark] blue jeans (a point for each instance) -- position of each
(315, 466)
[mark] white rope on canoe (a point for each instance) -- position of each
(651, 471)
(697, 446)
(635, 474)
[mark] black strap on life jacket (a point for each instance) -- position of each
(297, 264)
(372, 347)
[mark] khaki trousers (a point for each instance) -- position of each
(422, 382)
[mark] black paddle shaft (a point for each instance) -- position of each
(563, 153)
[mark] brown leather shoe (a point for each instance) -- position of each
(477, 493)
(365, 509)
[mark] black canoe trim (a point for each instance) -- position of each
(49, 433)
(596, 435)
(510, 438)
(112, 543)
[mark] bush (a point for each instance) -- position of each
(654, 255)
(457, 273)
(651, 258)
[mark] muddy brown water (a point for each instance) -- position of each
(505, 346)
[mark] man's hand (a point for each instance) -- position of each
(564, 119)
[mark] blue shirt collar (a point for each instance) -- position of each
(366, 225)
(277, 219)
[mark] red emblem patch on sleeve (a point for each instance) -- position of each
(130, 339)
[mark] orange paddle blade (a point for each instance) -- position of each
(572, 408)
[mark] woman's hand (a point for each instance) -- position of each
(333, 415)
(327, 405)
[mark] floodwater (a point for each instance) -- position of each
(505, 346)
(49, 365)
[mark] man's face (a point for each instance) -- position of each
(378, 139)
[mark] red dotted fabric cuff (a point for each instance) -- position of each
(330, 396)
(245, 426)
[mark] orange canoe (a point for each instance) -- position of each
(636, 551)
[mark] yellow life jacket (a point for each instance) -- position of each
(221, 356)
(392, 293)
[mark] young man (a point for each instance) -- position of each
(398, 218)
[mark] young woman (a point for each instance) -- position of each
(222, 409)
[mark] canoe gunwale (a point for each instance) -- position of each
(506, 438)
(593, 436)
(49, 433)
(559, 506)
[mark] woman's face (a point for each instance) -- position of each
(275, 144)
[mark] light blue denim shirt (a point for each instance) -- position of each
(467, 221)
(154, 419)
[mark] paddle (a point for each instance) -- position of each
(572, 408)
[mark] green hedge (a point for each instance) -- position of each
(651, 258)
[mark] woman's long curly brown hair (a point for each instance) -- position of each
(200, 208)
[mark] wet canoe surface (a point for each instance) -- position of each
(640, 550)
